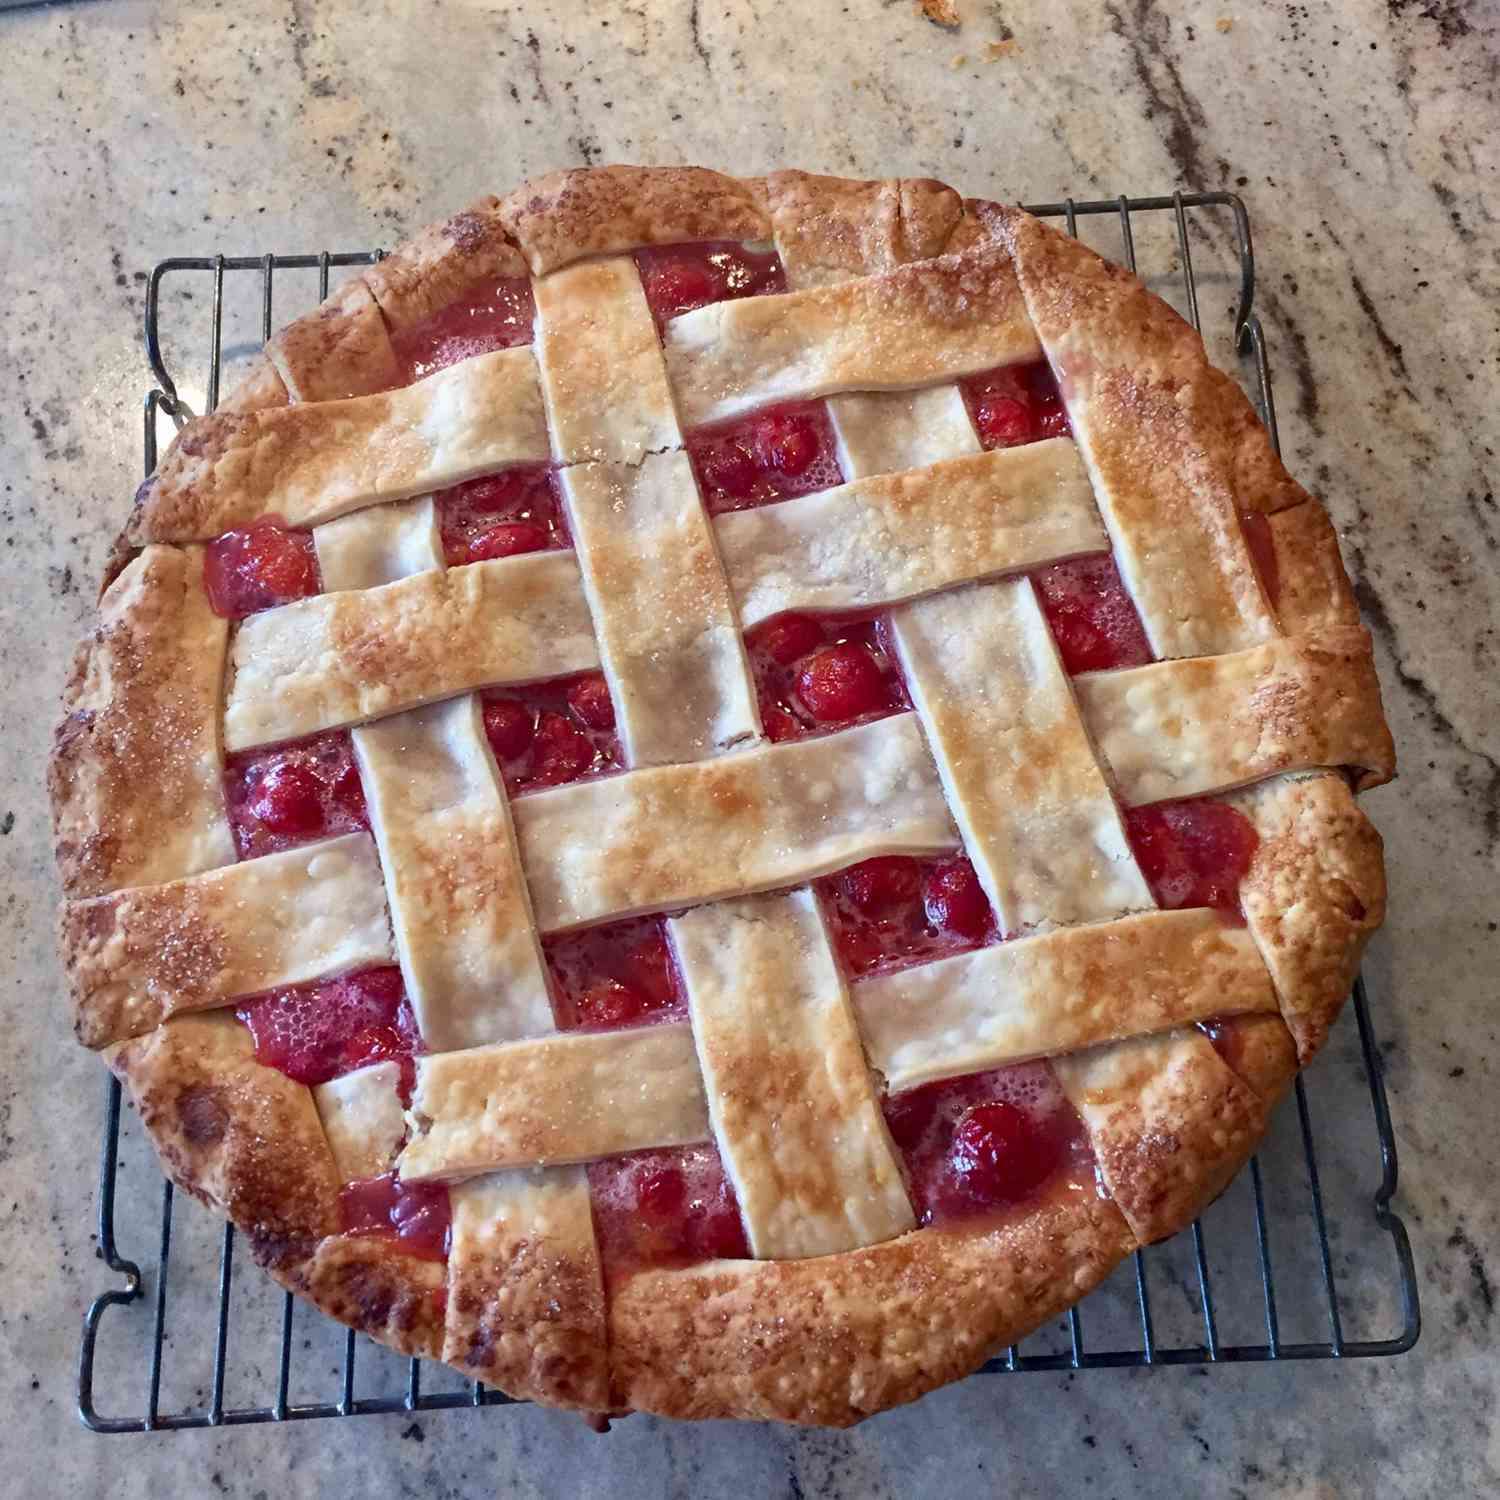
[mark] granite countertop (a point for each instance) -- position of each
(1362, 137)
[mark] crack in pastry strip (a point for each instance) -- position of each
(137, 771)
(462, 919)
(338, 659)
(1141, 400)
(1072, 988)
(138, 956)
(363, 1119)
(306, 464)
(666, 626)
(1189, 727)
(789, 1091)
(916, 326)
(601, 365)
(771, 816)
(893, 537)
(525, 1287)
(1034, 808)
(552, 1100)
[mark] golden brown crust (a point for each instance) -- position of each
(136, 774)
(238, 1136)
(830, 1341)
(1261, 1050)
(441, 262)
(1170, 1125)
(1314, 893)
(1312, 589)
(339, 349)
(260, 387)
(583, 211)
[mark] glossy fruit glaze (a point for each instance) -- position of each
(548, 733)
(892, 911)
(494, 314)
(418, 1216)
(814, 673)
(314, 1032)
(611, 977)
(290, 794)
(1262, 545)
(678, 278)
(772, 455)
(987, 1142)
(1015, 404)
(259, 567)
(1193, 853)
(502, 515)
(671, 1206)
(1093, 618)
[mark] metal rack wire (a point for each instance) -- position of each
(1270, 1283)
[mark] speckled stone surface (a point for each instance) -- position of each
(1362, 137)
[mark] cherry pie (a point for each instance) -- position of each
(713, 795)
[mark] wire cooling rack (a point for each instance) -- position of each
(1293, 1262)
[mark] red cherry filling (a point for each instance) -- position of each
(548, 733)
(823, 672)
(775, 454)
(314, 1032)
(893, 911)
(1193, 853)
(1257, 529)
(611, 977)
(309, 789)
(671, 1206)
(1093, 619)
(494, 314)
(264, 565)
(1015, 404)
(501, 515)
(678, 278)
(986, 1142)
(418, 1215)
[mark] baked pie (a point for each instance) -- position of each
(713, 795)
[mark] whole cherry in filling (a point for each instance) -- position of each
(258, 567)
(775, 454)
(494, 314)
(1015, 404)
(678, 278)
(986, 1142)
(896, 910)
(501, 515)
(308, 789)
(1193, 853)
(417, 1215)
(616, 976)
(1093, 619)
(671, 1206)
(314, 1032)
(823, 672)
(546, 734)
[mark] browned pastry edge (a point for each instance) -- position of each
(832, 1340)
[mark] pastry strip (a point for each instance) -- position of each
(915, 326)
(789, 1092)
(893, 537)
(525, 1288)
(137, 777)
(1035, 811)
(306, 464)
(1183, 728)
(139, 956)
(363, 1119)
(1038, 996)
(379, 544)
(338, 659)
(601, 365)
(570, 1097)
(666, 625)
(770, 816)
(459, 908)
(886, 432)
